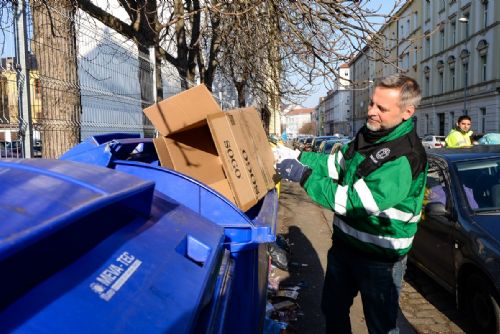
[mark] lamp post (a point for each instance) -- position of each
(465, 62)
(466, 70)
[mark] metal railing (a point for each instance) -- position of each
(82, 77)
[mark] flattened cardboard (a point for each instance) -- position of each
(238, 160)
(183, 111)
(255, 134)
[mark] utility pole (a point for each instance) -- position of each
(23, 77)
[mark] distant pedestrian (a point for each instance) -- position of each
(460, 135)
(375, 185)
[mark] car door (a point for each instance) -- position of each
(433, 247)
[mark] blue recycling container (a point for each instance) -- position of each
(85, 249)
(246, 233)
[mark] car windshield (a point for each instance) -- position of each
(480, 182)
(328, 146)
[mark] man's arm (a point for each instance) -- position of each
(380, 191)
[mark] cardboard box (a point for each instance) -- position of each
(193, 153)
(183, 111)
(220, 149)
(237, 155)
(254, 130)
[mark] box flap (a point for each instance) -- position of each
(226, 137)
(183, 111)
(192, 153)
(255, 134)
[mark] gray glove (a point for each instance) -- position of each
(293, 170)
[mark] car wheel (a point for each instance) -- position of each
(481, 305)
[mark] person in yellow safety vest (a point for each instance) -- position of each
(460, 136)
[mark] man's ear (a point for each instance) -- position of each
(408, 112)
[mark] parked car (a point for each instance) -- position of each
(306, 146)
(317, 142)
(431, 141)
(37, 149)
(458, 240)
(327, 146)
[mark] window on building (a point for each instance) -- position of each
(483, 65)
(482, 112)
(451, 66)
(485, 13)
(442, 4)
(427, 123)
(466, 75)
(441, 38)
(427, 46)
(415, 56)
(452, 78)
(415, 21)
(453, 31)
(466, 24)
(464, 55)
(408, 27)
(440, 68)
(427, 77)
(406, 61)
(452, 118)
(38, 87)
(428, 9)
(482, 49)
(441, 82)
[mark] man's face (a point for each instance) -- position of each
(464, 125)
(384, 111)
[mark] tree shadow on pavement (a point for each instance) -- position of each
(305, 270)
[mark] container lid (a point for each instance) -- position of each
(151, 271)
(38, 197)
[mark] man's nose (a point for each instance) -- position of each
(372, 110)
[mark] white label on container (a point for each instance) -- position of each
(111, 279)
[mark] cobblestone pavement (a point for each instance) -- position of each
(425, 306)
(428, 307)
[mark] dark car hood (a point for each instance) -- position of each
(490, 223)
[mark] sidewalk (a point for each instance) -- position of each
(309, 228)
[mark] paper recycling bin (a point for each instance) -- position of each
(245, 233)
(84, 249)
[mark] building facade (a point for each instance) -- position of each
(460, 74)
(450, 48)
(361, 88)
(338, 104)
(296, 120)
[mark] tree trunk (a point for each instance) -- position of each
(54, 46)
(240, 88)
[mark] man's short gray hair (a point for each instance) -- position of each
(409, 89)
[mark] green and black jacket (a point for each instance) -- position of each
(376, 191)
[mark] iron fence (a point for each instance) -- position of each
(82, 77)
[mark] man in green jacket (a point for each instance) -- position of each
(460, 136)
(375, 185)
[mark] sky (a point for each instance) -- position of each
(6, 34)
(320, 90)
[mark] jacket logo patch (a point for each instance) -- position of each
(383, 153)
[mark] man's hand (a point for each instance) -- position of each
(293, 170)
